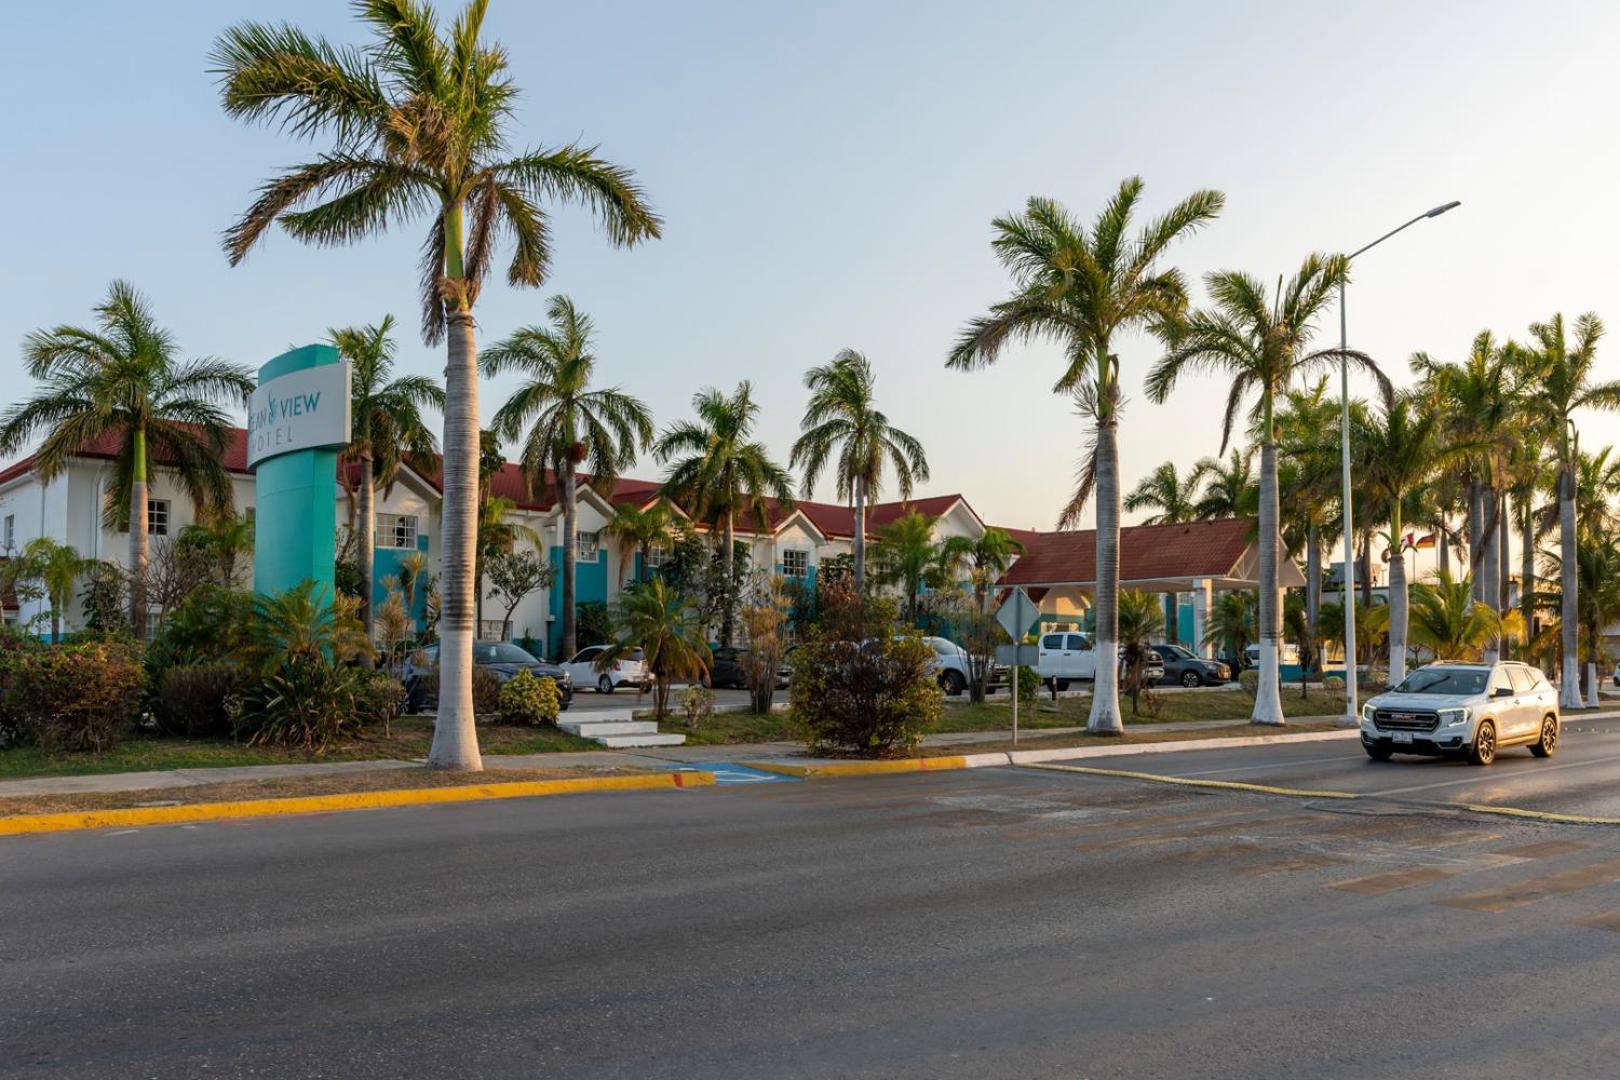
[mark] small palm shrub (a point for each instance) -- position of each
(194, 700)
(529, 702)
(71, 697)
(379, 699)
(308, 703)
(871, 699)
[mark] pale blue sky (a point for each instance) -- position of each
(829, 171)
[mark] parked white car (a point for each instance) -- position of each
(1069, 657)
(630, 670)
(1470, 709)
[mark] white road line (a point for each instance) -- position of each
(1274, 765)
(1484, 775)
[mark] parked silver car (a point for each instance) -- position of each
(1474, 710)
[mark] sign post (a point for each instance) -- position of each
(298, 422)
(1015, 616)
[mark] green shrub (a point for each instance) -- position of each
(1029, 683)
(198, 699)
(1332, 682)
(379, 698)
(1250, 681)
(697, 705)
(486, 691)
(307, 703)
(72, 697)
(874, 699)
(528, 701)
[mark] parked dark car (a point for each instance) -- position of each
(1183, 668)
(500, 658)
(730, 669)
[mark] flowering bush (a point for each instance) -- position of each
(872, 699)
(528, 701)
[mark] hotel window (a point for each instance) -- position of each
(586, 546)
(795, 564)
(11, 531)
(396, 531)
(157, 517)
(657, 555)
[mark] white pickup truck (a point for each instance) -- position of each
(1068, 656)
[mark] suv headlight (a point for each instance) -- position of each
(1450, 717)
(1367, 712)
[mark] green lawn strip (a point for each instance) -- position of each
(1133, 736)
(1173, 708)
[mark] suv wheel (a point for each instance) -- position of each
(952, 683)
(1190, 679)
(1378, 753)
(1548, 742)
(1483, 750)
(604, 685)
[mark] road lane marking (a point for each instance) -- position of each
(1379, 884)
(1546, 849)
(1606, 920)
(1275, 765)
(1217, 785)
(1477, 776)
(1530, 890)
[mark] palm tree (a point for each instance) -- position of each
(1229, 487)
(907, 557)
(987, 558)
(842, 416)
(386, 428)
(419, 121)
(302, 625)
(570, 424)
(1310, 413)
(1165, 492)
(1083, 288)
(1231, 625)
(50, 569)
(226, 537)
(1563, 364)
(1449, 622)
(1396, 455)
(499, 534)
(122, 380)
(657, 621)
(1263, 343)
(718, 472)
(637, 531)
(1141, 620)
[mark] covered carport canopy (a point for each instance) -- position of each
(1059, 569)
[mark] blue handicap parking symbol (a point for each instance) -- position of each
(729, 772)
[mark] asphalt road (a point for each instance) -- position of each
(995, 923)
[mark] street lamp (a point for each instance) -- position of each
(1348, 578)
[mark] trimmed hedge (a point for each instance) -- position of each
(72, 697)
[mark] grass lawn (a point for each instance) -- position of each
(1173, 708)
(287, 787)
(1146, 734)
(412, 735)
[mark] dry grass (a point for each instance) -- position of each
(291, 787)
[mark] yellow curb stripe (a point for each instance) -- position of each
(359, 800)
(864, 768)
(1540, 815)
(1222, 785)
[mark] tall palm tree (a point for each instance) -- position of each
(1262, 341)
(1141, 620)
(570, 422)
(1173, 499)
(907, 557)
(842, 416)
(637, 530)
(123, 380)
(1564, 360)
(1396, 455)
(1311, 412)
(658, 621)
(1084, 288)
(1229, 486)
(718, 472)
(386, 428)
(419, 121)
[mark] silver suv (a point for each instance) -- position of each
(1469, 709)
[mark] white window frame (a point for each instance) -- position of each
(788, 571)
(584, 553)
(398, 532)
(658, 554)
(157, 517)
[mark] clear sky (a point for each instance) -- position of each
(829, 171)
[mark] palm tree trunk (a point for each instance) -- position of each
(728, 561)
(1504, 562)
(1476, 525)
(455, 739)
(860, 537)
(1445, 550)
(1397, 603)
(1313, 590)
(1365, 580)
(137, 539)
(1268, 696)
(1105, 718)
(365, 497)
(1569, 684)
(1489, 563)
(1527, 566)
(570, 558)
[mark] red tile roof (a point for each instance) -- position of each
(106, 447)
(1146, 552)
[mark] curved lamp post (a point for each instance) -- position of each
(1351, 711)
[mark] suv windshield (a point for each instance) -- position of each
(499, 652)
(1440, 680)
